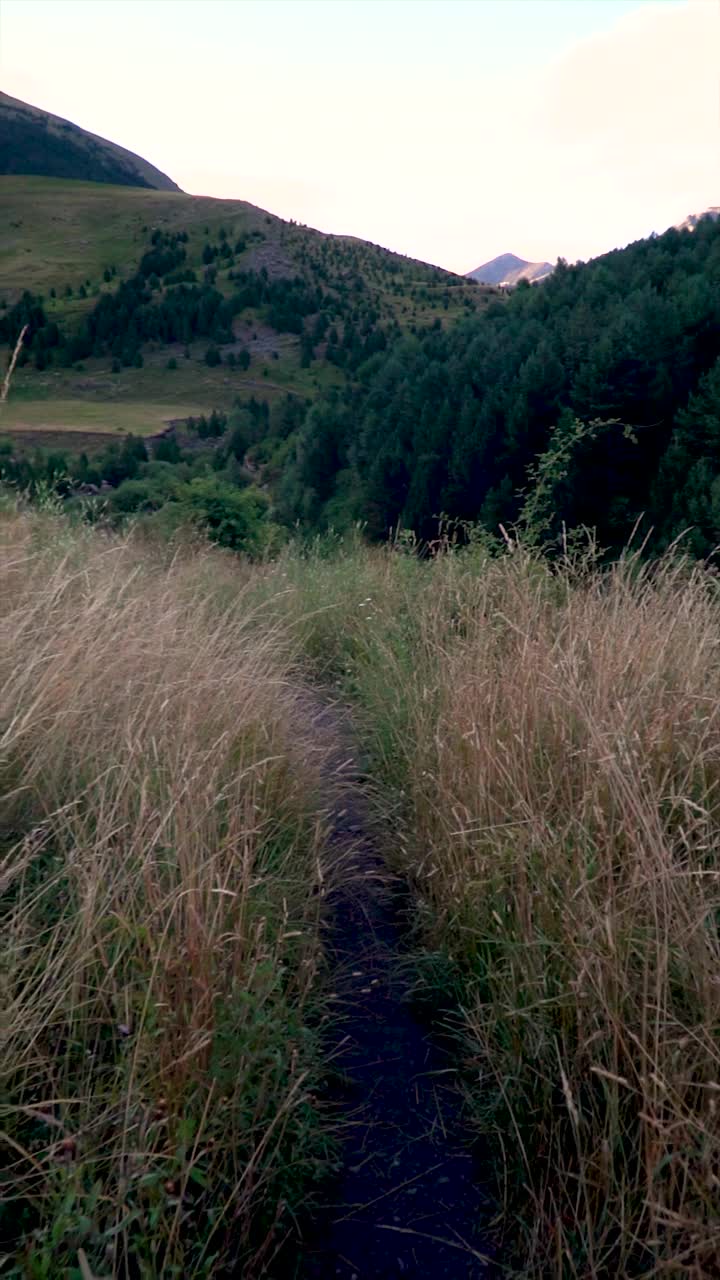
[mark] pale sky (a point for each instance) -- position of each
(450, 130)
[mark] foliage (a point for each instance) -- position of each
(234, 518)
(455, 421)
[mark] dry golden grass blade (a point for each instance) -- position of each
(160, 914)
(11, 367)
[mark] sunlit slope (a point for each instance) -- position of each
(73, 243)
(57, 233)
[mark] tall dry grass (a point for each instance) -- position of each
(564, 776)
(548, 740)
(159, 893)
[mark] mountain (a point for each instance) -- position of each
(33, 141)
(692, 220)
(147, 306)
(509, 269)
(208, 327)
(352, 385)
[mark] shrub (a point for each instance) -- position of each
(234, 518)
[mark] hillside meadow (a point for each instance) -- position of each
(126, 290)
(543, 743)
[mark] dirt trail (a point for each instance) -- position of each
(408, 1202)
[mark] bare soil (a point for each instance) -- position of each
(409, 1200)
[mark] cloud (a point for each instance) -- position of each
(634, 116)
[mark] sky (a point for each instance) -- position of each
(449, 130)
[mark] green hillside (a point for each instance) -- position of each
(33, 141)
(305, 307)
(353, 385)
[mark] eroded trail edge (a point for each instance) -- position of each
(409, 1199)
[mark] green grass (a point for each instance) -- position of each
(64, 417)
(62, 402)
(56, 232)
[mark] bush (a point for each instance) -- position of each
(142, 495)
(234, 518)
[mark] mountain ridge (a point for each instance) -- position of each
(35, 142)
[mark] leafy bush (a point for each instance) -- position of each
(234, 518)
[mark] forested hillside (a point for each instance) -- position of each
(206, 326)
(349, 385)
(187, 290)
(454, 421)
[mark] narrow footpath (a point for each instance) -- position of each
(409, 1200)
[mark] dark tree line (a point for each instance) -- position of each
(163, 303)
(454, 421)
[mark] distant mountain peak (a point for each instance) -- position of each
(508, 269)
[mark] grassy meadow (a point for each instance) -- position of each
(64, 418)
(544, 744)
(142, 400)
(59, 232)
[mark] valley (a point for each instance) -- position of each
(359, 806)
(63, 239)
